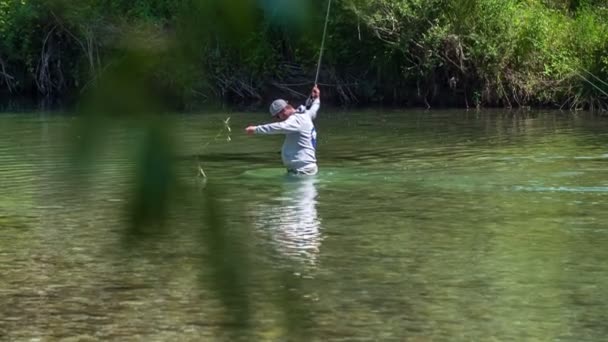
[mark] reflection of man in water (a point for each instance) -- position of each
(299, 148)
(293, 223)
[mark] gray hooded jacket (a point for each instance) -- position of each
(299, 149)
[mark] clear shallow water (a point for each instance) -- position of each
(421, 226)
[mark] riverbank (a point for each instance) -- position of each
(187, 56)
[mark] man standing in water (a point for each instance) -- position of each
(299, 148)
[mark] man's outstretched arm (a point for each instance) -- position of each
(284, 127)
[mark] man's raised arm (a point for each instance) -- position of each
(314, 102)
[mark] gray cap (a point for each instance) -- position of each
(277, 106)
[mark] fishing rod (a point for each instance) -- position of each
(309, 101)
(323, 41)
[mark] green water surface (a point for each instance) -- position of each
(421, 226)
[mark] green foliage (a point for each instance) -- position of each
(18, 29)
(508, 52)
(512, 52)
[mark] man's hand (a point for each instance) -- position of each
(250, 130)
(316, 93)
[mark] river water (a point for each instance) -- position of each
(421, 226)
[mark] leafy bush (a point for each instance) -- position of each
(413, 52)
